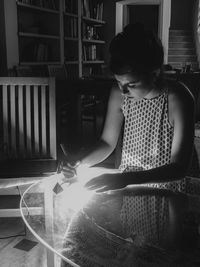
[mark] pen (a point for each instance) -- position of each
(60, 164)
(64, 150)
(59, 168)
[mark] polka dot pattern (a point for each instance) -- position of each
(145, 218)
(148, 137)
(147, 144)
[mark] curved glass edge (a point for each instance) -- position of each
(41, 240)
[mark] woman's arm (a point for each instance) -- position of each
(181, 117)
(111, 131)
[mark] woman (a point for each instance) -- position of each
(158, 118)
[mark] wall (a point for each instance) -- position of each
(109, 16)
(181, 14)
(2, 41)
(12, 55)
(196, 31)
(8, 36)
(147, 14)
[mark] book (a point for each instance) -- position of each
(86, 8)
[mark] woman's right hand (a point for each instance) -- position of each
(69, 169)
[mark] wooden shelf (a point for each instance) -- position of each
(71, 39)
(93, 62)
(93, 41)
(70, 14)
(91, 20)
(39, 63)
(34, 7)
(71, 62)
(57, 32)
(36, 35)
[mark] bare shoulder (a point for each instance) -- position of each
(116, 96)
(115, 91)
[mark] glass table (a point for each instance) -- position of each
(129, 227)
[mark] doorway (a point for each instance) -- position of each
(148, 15)
(161, 22)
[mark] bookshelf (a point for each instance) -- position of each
(92, 34)
(38, 31)
(45, 32)
(71, 30)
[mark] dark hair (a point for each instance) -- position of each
(135, 49)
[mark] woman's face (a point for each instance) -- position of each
(133, 86)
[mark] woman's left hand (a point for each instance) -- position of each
(106, 182)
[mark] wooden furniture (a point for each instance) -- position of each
(90, 98)
(89, 111)
(83, 37)
(57, 71)
(28, 133)
(192, 81)
(38, 32)
(24, 71)
(31, 71)
(161, 213)
(54, 32)
(28, 120)
(62, 93)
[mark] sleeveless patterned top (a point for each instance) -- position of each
(148, 136)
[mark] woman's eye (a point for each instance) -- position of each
(131, 85)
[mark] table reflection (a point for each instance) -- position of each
(137, 226)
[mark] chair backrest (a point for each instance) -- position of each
(57, 71)
(31, 71)
(24, 71)
(28, 117)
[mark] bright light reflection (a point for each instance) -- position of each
(70, 200)
(74, 195)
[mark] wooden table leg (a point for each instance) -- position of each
(49, 225)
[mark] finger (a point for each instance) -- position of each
(102, 189)
(96, 187)
(73, 164)
(69, 174)
(68, 169)
(67, 165)
(91, 183)
(92, 187)
(76, 164)
(69, 180)
(59, 167)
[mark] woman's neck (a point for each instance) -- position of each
(154, 92)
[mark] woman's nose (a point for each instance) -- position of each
(125, 89)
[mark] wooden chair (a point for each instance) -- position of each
(31, 71)
(89, 111)
(62, 96)
(28, 134)
(57, 71)
(24, 71)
